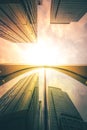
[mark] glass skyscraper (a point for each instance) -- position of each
(63, 114)
(66, 11)
(19, 106)
(18, 20)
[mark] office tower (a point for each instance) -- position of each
(63, 115)
(67, 11)
(18, 20)
(19, 106)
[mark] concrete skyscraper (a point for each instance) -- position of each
(18, 20)
(63, 114)
(66, 11)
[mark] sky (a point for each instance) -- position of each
(57, 43)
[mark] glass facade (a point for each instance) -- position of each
(66, 11)
(19, 106)
(71, 123)
(63, 115)
(18, 20)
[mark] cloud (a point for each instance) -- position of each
(69, 40)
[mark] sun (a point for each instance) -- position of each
(40, 54)
(44, 53)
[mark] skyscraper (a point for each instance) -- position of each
(63, 115)
(66, 11)
(18, 20)
(19, 106)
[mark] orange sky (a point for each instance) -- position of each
(63, 44)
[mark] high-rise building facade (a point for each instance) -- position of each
(19, 106)
(63, 115)
(66, 11)
(21, 109)
(18, 20)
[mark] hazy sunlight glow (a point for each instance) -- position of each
(41, 54)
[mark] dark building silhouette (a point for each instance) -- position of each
(19, 106)
(18, 20)
(63, 114)
(66, 11)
